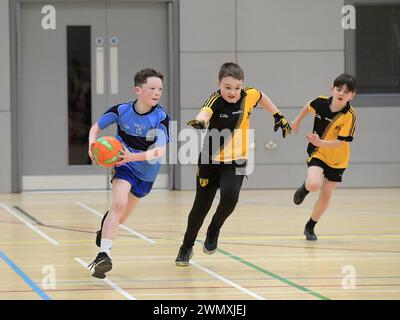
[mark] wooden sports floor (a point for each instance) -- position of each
(47, 240)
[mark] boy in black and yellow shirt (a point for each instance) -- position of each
(226, 114)
(328, 148)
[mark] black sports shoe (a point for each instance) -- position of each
(184, 255)
(300, 194)
(310, 235)
(98, 233)
(211, 242)
(101, 264)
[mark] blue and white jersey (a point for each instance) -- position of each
(139, 132)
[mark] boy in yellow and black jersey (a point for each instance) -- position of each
(226, 114)
(234, 119)
(328, 148)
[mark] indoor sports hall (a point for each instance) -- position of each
(65, 63)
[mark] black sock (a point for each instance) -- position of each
(104, 218)
(311, 224)
(304, 191)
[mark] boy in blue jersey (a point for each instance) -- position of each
(143, 130)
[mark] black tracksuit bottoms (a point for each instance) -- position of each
(211, 177)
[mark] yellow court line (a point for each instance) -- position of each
(373, 237)
(253, 238)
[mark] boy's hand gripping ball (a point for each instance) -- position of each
(106, 151)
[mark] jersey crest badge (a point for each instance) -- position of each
(203, 182)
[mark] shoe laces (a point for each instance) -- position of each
(94, 262)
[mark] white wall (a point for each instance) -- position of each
(292, 51)
(289, 49)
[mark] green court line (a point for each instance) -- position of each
(273, 275)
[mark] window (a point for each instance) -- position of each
(372, 52)
(79, 94)
(378, 48)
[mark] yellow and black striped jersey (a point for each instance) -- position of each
(332, 126)
(227, 137)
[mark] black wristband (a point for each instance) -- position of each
(278, 115)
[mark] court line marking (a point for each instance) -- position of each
(29, 225)
(290, 255)
(196, 264)
(24, 276)
(356, 293)
(122, 226)
(247, 278)
(227, 281)
(263, 258)
(29, 216)
(326, 236)
(273, 275)
(108, 281)
(345, 292)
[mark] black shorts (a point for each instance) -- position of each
(209, 175)
(332, 174)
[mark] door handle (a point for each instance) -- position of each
(99, 65)
(114, 65)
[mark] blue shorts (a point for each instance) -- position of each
(139, 188)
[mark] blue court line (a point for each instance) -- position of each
(24, 277)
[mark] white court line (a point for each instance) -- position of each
(194, 263)
(347, 292)
(108, 281)
(121, 225)
(255, 260)
(29, 225)
(227, 281)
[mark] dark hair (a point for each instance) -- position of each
(142, 75)
(231, 69)
(347, 80)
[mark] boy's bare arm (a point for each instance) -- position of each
(280, 120)
(93, 134)
(127, 156)
(299, 118)
(314, 139)
(201, 120)
(203, 116)
(267, 104)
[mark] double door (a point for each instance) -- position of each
(70, 74)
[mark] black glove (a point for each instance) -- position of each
(197, 124)
(281, 122)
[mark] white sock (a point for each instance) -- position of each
(106, 245)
